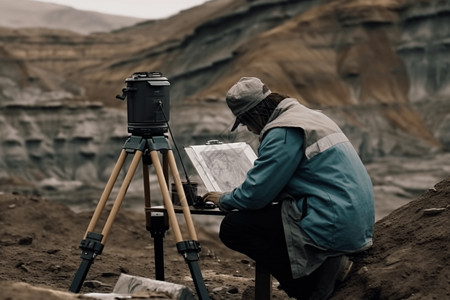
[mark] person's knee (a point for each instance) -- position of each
(230, 230)
(226, 232)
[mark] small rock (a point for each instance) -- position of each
(22, 266)
(93, 284)
(52, 251)
(433, 211)
(233, 290)
(54, 268)
(124, 270)
(7, 242)
(248, 293)
(26, 241)
(109, 274)
(363, 270)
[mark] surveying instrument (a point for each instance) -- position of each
(147, 96)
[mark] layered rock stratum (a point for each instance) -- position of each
(378, 68)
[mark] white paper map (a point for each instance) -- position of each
(222, 167)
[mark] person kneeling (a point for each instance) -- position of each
(308, 200)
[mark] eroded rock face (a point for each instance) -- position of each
(379, 70)
(62, 141)
(423, 46)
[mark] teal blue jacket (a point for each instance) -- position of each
(305, 155)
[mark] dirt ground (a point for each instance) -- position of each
(39, 254)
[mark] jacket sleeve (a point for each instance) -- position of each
(279, 155)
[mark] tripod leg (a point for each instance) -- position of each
(91, 245)
(147, 198)
(166, 196)
(165, 166)
(156, 224)
(106, 192)
(158, 230)
(189, 249)
(182, 196)
(119, 199)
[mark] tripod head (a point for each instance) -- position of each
(148, 103)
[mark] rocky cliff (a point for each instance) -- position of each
(378, 68)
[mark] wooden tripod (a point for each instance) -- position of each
(142, 147)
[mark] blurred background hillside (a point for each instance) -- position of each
(380, 69)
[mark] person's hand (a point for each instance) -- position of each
(213, 197)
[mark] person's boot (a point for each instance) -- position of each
(333, 270)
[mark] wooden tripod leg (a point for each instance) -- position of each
(147, 196)
(182, 196)
(92, 244)
(189, 249)
(166, 196)
(146, 177)
(106, 192)
(119, 199)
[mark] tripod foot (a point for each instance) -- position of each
(91, 247)
(190, 250)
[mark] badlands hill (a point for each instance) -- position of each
(34, 14)
(377, 68)
(374, 66)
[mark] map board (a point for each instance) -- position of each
(222, 167)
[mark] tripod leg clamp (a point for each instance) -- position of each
(91, 246)
(134, 143)
(189, 250)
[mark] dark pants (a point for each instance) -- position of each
(259, 234)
